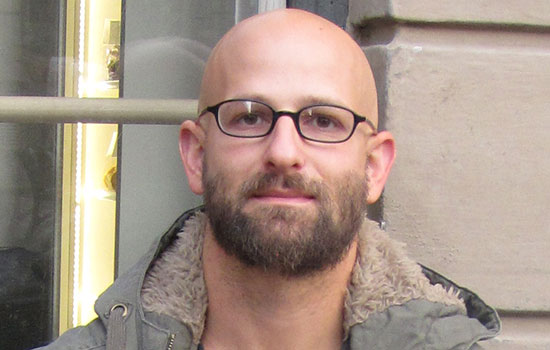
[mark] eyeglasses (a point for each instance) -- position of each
(321, 123)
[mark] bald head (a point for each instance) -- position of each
(290, 58)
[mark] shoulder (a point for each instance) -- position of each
(394, 303)
(403, 326)
(90, 337)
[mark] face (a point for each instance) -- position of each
(282, 202)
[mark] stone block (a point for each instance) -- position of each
(470, 111)
(528, 12)
(522, 332)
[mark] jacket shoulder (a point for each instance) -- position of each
(90, 337)
(418, 324)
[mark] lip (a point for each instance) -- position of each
(282, 197)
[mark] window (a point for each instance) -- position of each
(29, 182)
(58, 180)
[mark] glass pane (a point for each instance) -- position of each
(29, 66)
(166, 47)
(29, 32)
(27, 225)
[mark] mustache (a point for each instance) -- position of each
(265, 181)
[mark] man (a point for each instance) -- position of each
(286, 153)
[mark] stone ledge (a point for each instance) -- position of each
(504, 12)
(522, 333)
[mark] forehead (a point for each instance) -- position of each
(289, 63)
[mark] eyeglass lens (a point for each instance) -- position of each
(251, 119)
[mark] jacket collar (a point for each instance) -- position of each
(151, 331)
(384, 278)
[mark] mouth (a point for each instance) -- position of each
(276, 196)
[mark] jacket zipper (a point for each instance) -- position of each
(171, 342)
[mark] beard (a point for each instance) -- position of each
(291, 241)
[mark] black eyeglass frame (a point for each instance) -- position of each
(294, 115)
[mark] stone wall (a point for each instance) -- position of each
(465, 89)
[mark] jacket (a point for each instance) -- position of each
(407, 306)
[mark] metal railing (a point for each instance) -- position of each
(19, 109)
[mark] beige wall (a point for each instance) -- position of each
(465, 89)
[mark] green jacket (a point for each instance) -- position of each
(415, 324)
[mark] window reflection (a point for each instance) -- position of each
(27, 226)
(29, 32)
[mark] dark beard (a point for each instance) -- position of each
(289, 241)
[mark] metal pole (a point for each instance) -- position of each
(93, 110)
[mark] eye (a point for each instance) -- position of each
(321, 121)
(253, 121)
(249, 119)
(244, 118)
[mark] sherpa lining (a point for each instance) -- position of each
(174, 285)
(383, 276)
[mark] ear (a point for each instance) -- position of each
(381, 157)
(191, 151)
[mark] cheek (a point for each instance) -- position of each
(337, 160)
(234, 161)
(360, 155)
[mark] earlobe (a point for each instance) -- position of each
(191, 152)
(381, 157)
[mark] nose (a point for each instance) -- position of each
(284, 147)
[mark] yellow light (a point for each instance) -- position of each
(81, 43)
(94, 207)
(77, 217)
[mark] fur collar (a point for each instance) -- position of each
(383, 276)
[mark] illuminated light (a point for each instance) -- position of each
(78, 170)
(81, 42)
(77, 233)
(90, 192)
(90, 277)
(76, 265)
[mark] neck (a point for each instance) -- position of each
(251, 308)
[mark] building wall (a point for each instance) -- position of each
(464, 87)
